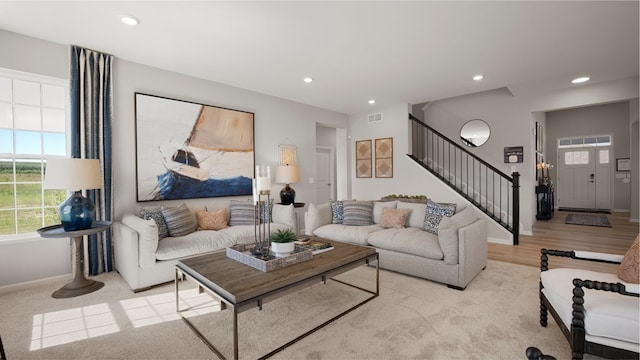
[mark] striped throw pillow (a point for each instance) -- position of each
(179, 220)
(358, 213)
(241, 213)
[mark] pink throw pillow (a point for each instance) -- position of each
(214, 220)
(394, 218)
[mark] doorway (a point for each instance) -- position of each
(584, 173)
(325, 175)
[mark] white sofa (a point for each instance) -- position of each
(143, 260)
(453, 257)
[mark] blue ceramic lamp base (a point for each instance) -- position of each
(77, 212)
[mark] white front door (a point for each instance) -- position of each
(584, 178)
(324, 175)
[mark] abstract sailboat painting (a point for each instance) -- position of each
(187, 150)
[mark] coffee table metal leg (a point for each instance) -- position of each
(235, 333)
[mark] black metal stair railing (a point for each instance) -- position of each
(487, 188)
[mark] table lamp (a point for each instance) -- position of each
(77, 212)
(287, 174)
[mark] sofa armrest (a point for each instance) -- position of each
(473, 250)
(146, 239)
(577, 255)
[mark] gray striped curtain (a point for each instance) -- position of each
(91, 115)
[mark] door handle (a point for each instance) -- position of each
(591, 178)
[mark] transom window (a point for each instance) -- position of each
(599, 140)
(33, 126)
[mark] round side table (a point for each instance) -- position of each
(80, 285)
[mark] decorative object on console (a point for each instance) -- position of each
(77, 212)
(384, 157)
(188, 150)
(287, 174)
(363, 158)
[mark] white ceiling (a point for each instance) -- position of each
(393, 52)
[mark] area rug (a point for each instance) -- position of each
(588, 219)
(496, 317)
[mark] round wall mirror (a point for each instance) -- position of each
(475, 132)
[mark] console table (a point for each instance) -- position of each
(80, 284)
(545, 199)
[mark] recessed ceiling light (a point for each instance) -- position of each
(478, 77)
(580, 80)
(129, 20)
(372, 101)
(307, 80)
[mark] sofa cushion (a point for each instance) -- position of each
(358, 213)
(416, 216)
(337, 212)
(628, 270)
(409, 241)
(394, 218)
(607, 314)
(179, 220)
(379, 206)
(448, 233)
(435, 212)
(197, 242)
(350, 234)
(156, 215)
(245, 234)
(212, 220)
(318, 215)
(241, 213)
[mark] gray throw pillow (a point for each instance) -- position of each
(358, 213)
(179, 220)
(241, 213)
(435, 212)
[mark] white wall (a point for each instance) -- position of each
(275, 120)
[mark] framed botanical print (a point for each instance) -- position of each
(384, 157)
(363, 159)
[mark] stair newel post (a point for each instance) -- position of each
(516, 206)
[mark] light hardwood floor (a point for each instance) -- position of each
(555, 234)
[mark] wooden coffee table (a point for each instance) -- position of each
(239, 287)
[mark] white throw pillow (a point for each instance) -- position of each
(317, 215)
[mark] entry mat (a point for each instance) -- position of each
(588, 219)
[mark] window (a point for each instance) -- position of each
(600, 140)
(33, 126)
(576, 157)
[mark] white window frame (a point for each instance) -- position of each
(42, 80)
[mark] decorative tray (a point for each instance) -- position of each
(242, 253)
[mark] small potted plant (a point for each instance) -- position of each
(282, 242)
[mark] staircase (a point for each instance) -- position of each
(487, 188)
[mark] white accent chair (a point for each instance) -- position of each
(597, 312)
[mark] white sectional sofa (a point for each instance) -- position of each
(144, 260)
(454, 256)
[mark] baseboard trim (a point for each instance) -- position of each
(34, 282)
(500, 241)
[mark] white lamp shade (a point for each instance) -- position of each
(287, 174)
(72, 174)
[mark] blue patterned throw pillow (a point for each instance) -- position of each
(435, 212)
(337, 212)
(156, 215)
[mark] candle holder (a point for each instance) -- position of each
(262, 226)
